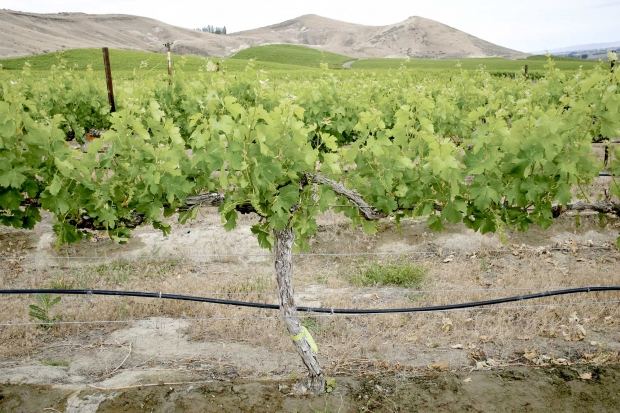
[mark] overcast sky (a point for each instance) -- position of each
(524, 25)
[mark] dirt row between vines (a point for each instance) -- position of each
(220, 347)
(514, 389)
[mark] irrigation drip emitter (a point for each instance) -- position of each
(161, 295)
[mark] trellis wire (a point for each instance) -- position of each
(164, 320)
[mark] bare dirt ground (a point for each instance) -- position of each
(514, 389)
(132, 354)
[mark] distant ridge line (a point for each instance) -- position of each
(23, 34)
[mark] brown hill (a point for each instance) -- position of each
(415, 37)
(28, 33)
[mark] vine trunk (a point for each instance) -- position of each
(283, 252)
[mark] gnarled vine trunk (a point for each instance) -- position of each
(283, 252)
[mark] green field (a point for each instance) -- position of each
(275, 58)
(130, 60)
(293, 55)
(491, 64)
(556, 58)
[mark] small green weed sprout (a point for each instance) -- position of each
(312, 324)
(42, 311)
(403, 274)
(56, 363)
(330, 384)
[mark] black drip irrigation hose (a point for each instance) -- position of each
(315, 309)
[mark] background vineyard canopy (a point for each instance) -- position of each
(460, 146)
(290, 58)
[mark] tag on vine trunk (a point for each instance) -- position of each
(305, 332)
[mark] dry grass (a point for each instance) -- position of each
(408, 339)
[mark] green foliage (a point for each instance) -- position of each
(489, 152)
(542, 57)
(492, 64)
(55, 363)
(330, 384)
(62, 283)
(126, 62)
(405, 275)
(81, 59)
(602, 220)
(312, 324)
(42, 311)
(292, 55)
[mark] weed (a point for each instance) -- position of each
(116, 271)
(483, 264)
(330, 385)
(42, 312)
(312, 324)
(121, 308)
(405, 275)
(56, 363)
(577, 221)
(84, 279)
(414, 296)
(260, 284)
(121, 271)
(602, 220)
(61, 283)
(321, 279)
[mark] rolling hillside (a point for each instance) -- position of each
(415, 37)
(28, 33)
(23, 34)
(291, 54)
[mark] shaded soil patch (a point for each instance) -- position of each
(514, 389)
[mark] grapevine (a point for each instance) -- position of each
(493, 153)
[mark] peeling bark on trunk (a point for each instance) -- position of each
(284, 277)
